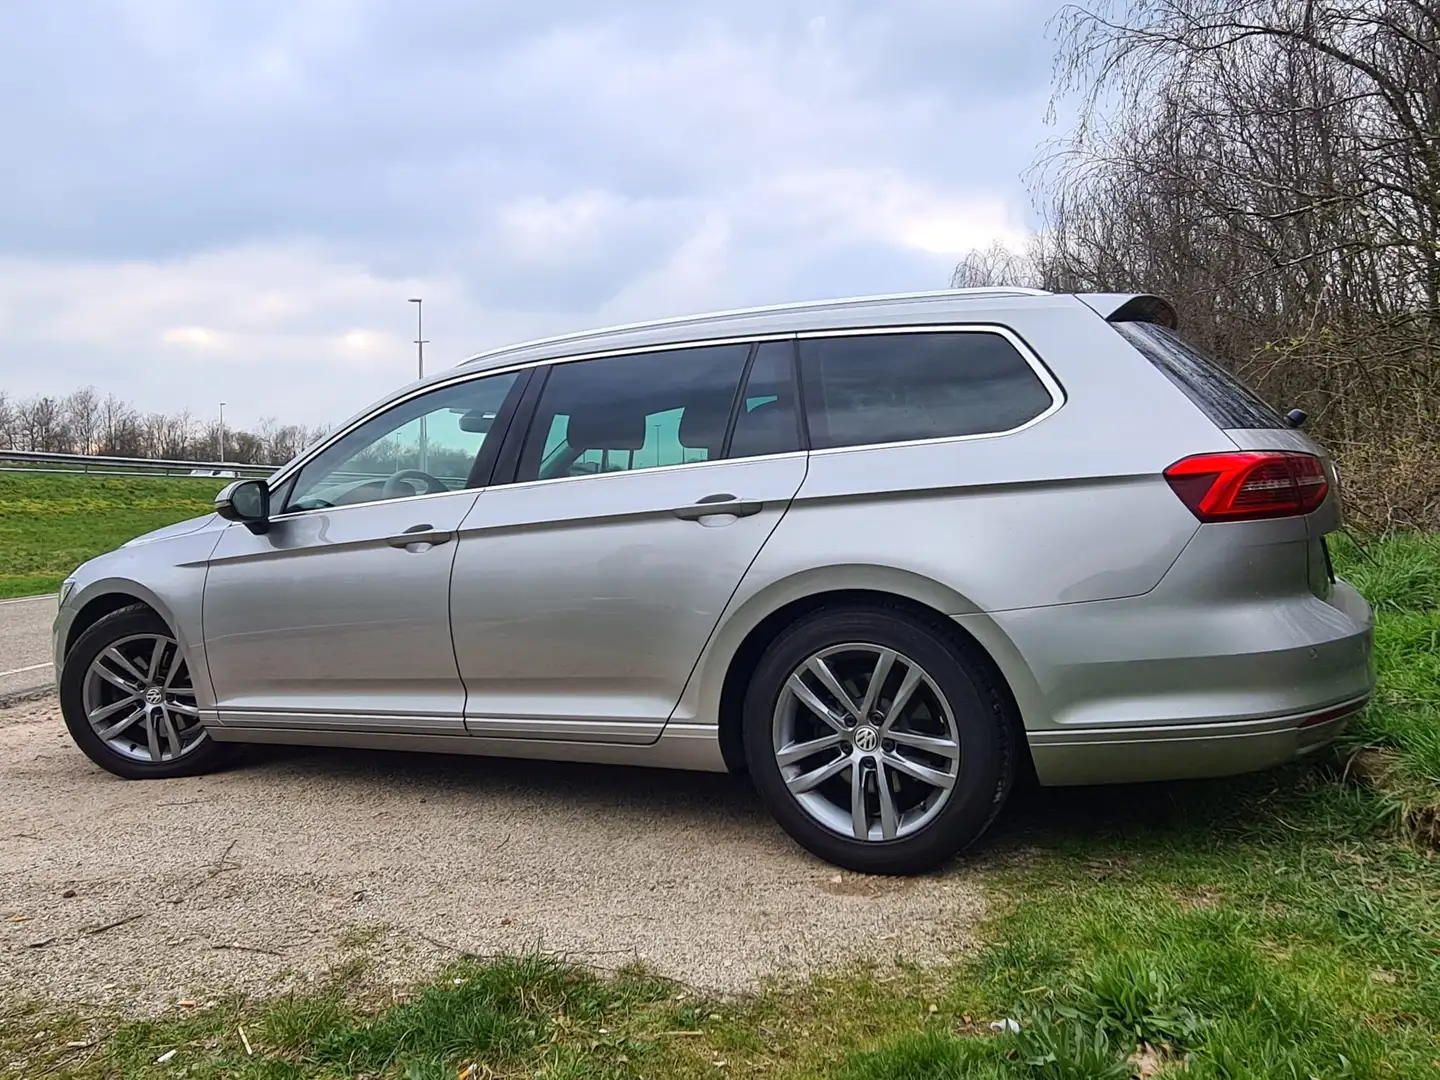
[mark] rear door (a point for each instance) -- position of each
(584, 592)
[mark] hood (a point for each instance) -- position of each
(180, 528)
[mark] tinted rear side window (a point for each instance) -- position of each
(881, 388)
(766, 422)
(1222, 397)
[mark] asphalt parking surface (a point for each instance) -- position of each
(25, 662)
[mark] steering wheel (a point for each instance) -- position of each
(397, 486)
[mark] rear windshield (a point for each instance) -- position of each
(1222, 397)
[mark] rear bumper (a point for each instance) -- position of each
(1183, 751)
(1170, 687)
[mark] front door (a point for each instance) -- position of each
(584, 592)
(338, 616)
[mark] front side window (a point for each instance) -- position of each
(899, 387)
(426, 445)
(642, 411)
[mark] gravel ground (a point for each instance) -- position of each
(264, 877)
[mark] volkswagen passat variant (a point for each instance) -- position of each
(880, 554)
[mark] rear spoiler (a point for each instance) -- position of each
(1131, 307)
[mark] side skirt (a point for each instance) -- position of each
(694, 747)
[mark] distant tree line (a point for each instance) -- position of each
(1272, 167)
(83, 422)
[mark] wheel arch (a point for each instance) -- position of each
(96, 599)
(97, 609)
(765, 616)
(104, 597)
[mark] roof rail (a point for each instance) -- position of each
(934, 294)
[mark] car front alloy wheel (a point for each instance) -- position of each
(139, 701)
(129, 701)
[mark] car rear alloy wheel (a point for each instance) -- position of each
(879, 736)
(129, 701)
(139, 701)
(866, 742)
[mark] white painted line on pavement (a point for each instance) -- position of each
(28, 599)
(22, 670)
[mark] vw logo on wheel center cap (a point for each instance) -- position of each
(866, 739)
(154, 696)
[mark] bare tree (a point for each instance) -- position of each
(280, 443)
(83, 420)
(84, 423)
(993, 266)
(1273, 167)
(246, 448)
(40, 425)
(120, 428)
(177, 434)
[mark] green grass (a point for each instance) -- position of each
(50, 524)
(1399, 573)
(1285, 925)
(1399, 736)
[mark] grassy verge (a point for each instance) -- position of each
(50, 524)
(1399, 738)
(1252, 930)
(1276, 926)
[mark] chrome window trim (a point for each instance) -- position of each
(659, 469)
(373, 502)
(534, 483)
(287, 471)
(1047, 380)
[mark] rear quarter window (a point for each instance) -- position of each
(864, 389)
(1227, 401)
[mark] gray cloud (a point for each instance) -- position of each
(281, 173)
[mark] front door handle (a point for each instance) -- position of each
(415, 535)
(720, 503)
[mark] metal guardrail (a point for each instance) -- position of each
(38, 461)
(100, 465)
(348, 475)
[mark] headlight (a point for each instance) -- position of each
(66, 587)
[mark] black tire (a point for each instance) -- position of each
(137, 619)
(988, 757)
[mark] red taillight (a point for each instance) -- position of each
(1247, 485)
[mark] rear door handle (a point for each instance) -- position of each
(419, 534)
(720, 503)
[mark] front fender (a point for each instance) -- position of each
(168, 575)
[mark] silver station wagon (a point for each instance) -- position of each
(880, 554)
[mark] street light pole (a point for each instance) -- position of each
(222, 432)
(420, 342)
(419, 303)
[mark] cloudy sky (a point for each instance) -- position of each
(233, 199)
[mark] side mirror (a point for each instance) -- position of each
(245, 501)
